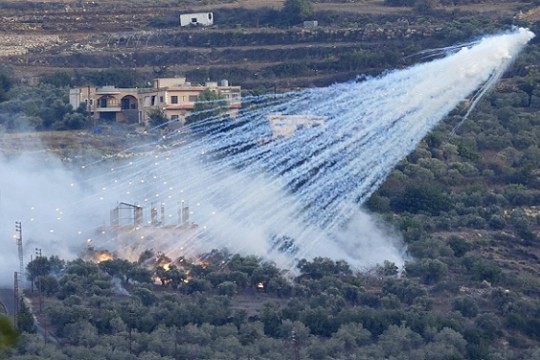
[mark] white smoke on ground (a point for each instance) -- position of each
(281, 198)
(33, 192)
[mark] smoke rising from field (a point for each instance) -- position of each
(279, 197)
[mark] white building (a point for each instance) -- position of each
(205, 19)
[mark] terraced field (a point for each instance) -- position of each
(244, 46)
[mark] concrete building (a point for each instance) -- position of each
(286, 125)
(204, 19)
(108, 103)
(175, 96)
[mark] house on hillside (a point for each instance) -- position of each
(175, 96)
(204, 19)
(108, 103)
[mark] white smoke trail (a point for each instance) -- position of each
(278, 197)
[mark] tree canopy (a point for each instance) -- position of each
(209, 104)
(296, 11)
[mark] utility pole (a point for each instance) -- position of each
(18, 230)
(40, 290)
(32, 281)
(17, 276)
(15, 299)
(296, 345)
(131, 317)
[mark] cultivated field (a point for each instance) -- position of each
(43, 37)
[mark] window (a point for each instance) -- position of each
(193, 98)
(153, 100)
(209, 16)
(194, 20)
(161, 99)
(125, 104)
(103, 102)
(175, 117)
(174, 99)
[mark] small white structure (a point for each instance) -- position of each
(204, 19)
(286, 125)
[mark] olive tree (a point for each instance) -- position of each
(295, 11)
(208, 104)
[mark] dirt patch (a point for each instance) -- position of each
(17, 44)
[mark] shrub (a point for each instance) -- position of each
(458, 245)
(467, 306)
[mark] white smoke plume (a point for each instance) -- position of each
(281, 198)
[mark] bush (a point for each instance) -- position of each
(227, 288)
(497, 222)
(6, 83)
(198, 285)
(429, 198)
(296, 11)
(146, 296)
(467, 306)
(459, 245)
(484, 270)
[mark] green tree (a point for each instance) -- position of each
(25, 319)
(8, 334)
(430, 270)
(208, 104)
(429, 198)
(163, 275)
(529, 84)
(459, 245)
(146, 296)
(139, 274)
(296, 11)
(270, 317)
(320, 267)
(198, 285)
(116, 267)
(484, 270)
(388, 268)
(6, 83)
(263, 274)
(49, 285)
(39, 267)
(157, 117)
(58, 79)
(72, 121)
(466, 305)
(397, 340)
(176, 275)
(227, 288)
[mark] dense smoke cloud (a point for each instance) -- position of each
(36, 191)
